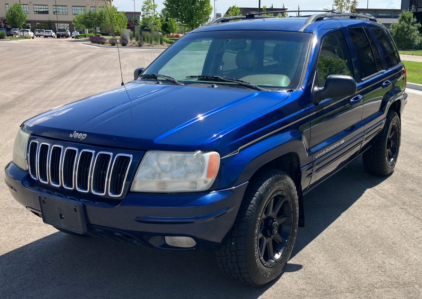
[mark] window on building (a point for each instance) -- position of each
(25, 8)
(7, 7)
(62, 26)
(41, 9)
(28, 26)
(93, 9)
(334, 58)
(78, 9)
(364, 52)
(388, 48)
(60, 9)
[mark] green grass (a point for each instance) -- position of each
(414, 71)
(16, 38)
(411, 52)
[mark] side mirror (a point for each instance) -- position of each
(336, 86)
(138, 72)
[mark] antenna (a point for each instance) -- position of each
(109, 5)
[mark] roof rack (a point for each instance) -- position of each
(310, 18)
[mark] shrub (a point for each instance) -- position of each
(113, 41)
(137, 37)
(147, 37)
(131, 35)
(79, 36)
(140, 43)
(2, 34)
(169, 41)
(161, 39)
(123, 42)
(98, 35)
(28, 37)
(97, 40)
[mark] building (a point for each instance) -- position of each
(132, 15)
(385, 16)
(52, 14)
(414, 6)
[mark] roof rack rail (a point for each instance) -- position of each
(310, 18)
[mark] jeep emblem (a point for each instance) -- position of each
(78, 135)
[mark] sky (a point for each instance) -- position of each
(223, 5)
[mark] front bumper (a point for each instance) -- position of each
(140, 218)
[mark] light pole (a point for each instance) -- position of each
(215, 11)
(57, 16)
(367, 4)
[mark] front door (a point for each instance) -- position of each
(336, 130)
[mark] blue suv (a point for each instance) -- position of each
(214, 145)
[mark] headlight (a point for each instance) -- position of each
(176, 172)
(19, 149)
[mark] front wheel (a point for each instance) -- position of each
(381, 158)
(264, 234)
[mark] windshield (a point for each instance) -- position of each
(271, 59)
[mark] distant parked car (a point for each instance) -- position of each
(74, 33)
(49, 33)
(63, 33)
(15, 32)
(26, 32)
(39, 32)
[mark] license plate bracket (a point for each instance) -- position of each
(63, 213)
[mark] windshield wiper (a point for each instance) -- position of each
(156, 76)
(224, 79)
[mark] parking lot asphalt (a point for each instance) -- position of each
(362, 239)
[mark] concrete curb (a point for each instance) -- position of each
(414, 86)
(121, 47)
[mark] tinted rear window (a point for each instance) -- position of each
(366, 57)
(387, 46)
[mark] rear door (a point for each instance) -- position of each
(336, 133)
(390, 83)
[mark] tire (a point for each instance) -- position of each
(381, 158)
(246, 254)
(69, 232)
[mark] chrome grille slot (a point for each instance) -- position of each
(83, 170)
(43, 155)
(54, 165)
(32, 159)
(100, 172)
(118, 175)
(69, 167)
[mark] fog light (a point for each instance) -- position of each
(183, 242)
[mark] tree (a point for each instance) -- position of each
(191, 13)
(283, 14)
(15, 16)
(233, 11)
(345, 5)
(169, 26)
(150, 18)
(405, 33)
(90, 19)
(115, 21)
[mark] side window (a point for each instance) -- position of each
(334, 58)
(388, 48)
(366, 57)
(374, 49)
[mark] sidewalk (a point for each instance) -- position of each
(411, 58)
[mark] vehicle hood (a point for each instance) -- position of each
(154, 116)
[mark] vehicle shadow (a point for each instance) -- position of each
(65, 266)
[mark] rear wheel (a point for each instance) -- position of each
(264, 234)
(381, 158)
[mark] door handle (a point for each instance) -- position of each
(386, 83)
(356, 99)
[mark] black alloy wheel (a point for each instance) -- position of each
(275, 229)
(381, 157)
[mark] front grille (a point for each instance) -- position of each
(83, 170)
